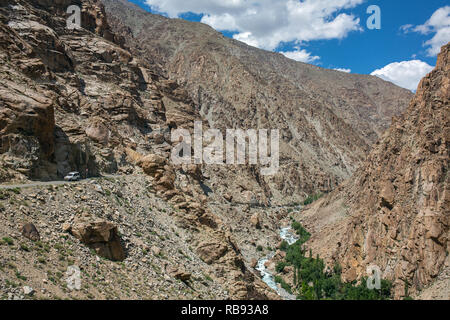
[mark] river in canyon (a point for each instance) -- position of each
(286, 233)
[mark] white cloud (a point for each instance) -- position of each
(441, 38)
(300, 55)
(407, 28)
(439, 24)
(343, 70)
(247, 38)
(406, 74)
(224, 22)
(268, 23)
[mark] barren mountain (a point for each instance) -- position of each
(328, 119)
(77, 100)
(395, 211)
(102, 99)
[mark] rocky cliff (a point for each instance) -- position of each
(394, 212)
(328, 119)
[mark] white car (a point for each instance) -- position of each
(73, 176)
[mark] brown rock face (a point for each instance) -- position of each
(31, 115)
(72, 100)
(99, 235)
(395, 211)
(210, 251)
(27, 124)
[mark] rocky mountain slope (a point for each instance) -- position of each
(395, 211)
(78, 100)
(102, 99)
(328, 119)
(159, 253)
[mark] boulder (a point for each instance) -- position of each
(100, 235)
(155, 250)
(387, 194)
(178, 272)
(152, 163)
(30, 231)
(211, 251)
(255, 220)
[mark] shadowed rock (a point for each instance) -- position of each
(30, 231)
(100, 235)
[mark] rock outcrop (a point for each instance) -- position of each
(99, 235)
(214, 242)
(395, 211)
(30, 232)
(178, 273)
(74, 100)
(255, 220)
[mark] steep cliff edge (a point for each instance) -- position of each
(395, 211)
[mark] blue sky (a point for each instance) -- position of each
(330, 33)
